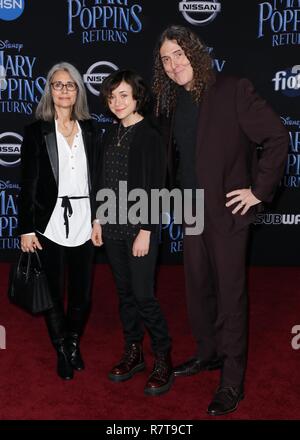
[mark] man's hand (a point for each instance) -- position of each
(141, 244)
(244, 199)
(97, 235)
(29, 243)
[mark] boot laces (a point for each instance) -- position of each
(160, 369)
(130, 354)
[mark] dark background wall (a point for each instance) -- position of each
(256, 39)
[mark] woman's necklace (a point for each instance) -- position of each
(120, 138)
(71, 132)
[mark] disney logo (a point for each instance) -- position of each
(102, 119)
(8, 185)
(7, 45)
(289, 121)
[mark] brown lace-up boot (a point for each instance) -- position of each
(132, 362)
(161, 378)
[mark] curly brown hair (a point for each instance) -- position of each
(164, 88)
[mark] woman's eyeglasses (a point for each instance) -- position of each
(70, 86)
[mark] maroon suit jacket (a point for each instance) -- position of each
(233, 120)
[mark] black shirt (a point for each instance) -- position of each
(145, 165)
(116, 170)
(185, 131)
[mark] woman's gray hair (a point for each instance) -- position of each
(45, 109)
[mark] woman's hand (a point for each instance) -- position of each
(29, 243)
(97, 235)
(141, 244)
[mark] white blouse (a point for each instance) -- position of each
(72, 181)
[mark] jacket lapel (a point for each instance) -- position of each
(48, 129)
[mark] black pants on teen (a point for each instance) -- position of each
(138, 306)
(76, 263)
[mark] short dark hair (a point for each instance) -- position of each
(140, 90)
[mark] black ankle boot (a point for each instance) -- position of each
(64, 367)
(73, 351)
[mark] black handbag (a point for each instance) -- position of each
(28, 286)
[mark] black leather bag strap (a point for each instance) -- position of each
(21, 259)
(38, 259)
(29, 264)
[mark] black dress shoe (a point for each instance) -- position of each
(195, 365)
(225, 401)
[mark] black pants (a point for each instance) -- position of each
(138, 306)
(215, 273)
(78, 262)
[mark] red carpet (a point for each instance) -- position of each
(30, 389)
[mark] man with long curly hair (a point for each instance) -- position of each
(212, 126)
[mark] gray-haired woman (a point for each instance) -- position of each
(58, 159)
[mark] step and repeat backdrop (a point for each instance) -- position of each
(256, 39)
